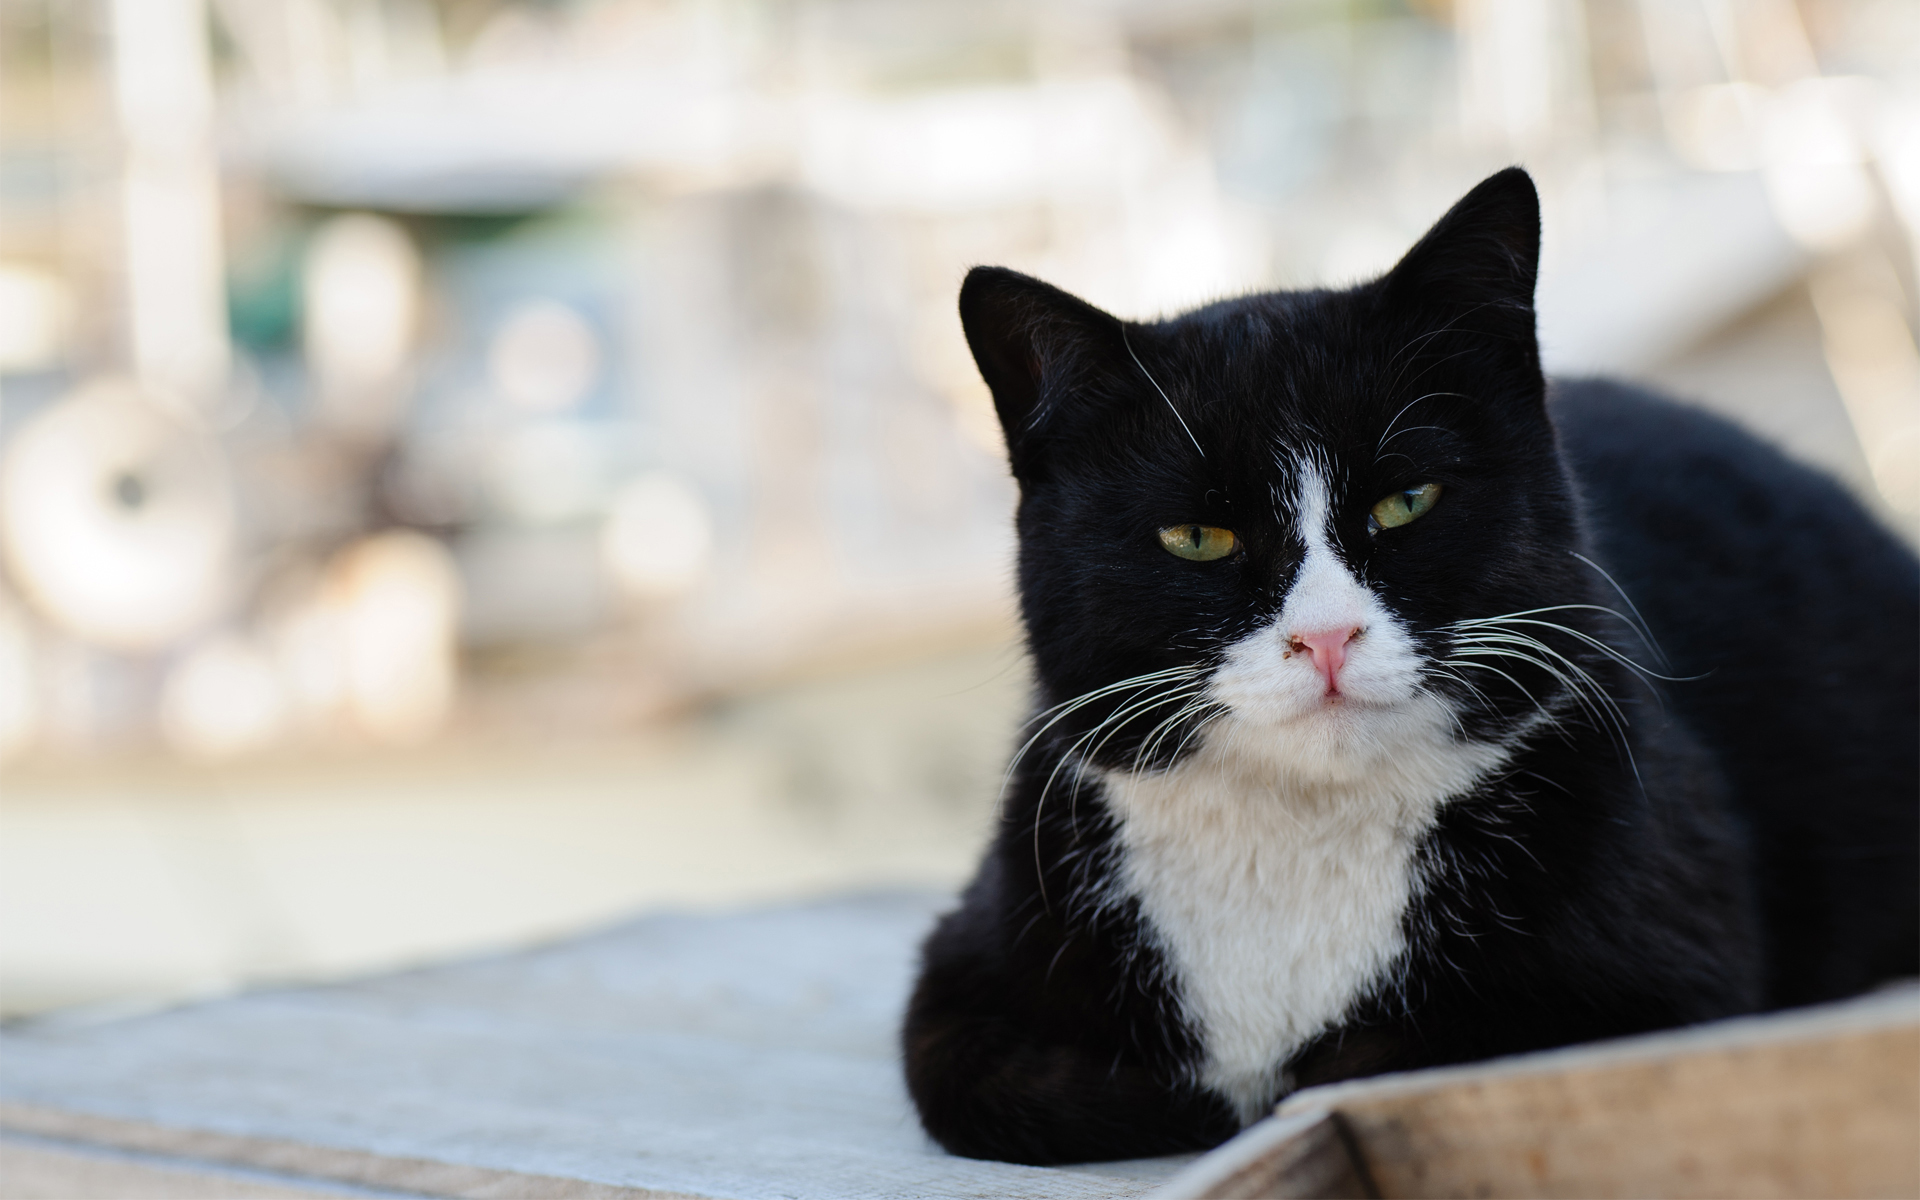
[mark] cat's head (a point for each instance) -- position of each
(1263, 519)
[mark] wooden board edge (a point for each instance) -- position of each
(1304, 1154)
(418, 1176)
(1890, 1008)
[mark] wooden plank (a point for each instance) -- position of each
(736, 1055)
(415, 1176)
(1302, 1154)
(1816, 1102)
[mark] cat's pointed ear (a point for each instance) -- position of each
(1028, 338)
(1479, 263)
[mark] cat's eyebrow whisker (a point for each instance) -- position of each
(1418, 339)
(1437, 363)
(1124, 341)
(1450, 327)
(1408, 429)
(1403, 412)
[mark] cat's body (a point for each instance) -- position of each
(1358, 796)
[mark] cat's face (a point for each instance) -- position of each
(1261, 521)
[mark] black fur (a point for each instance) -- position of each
(1744, 837)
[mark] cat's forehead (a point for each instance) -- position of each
(1289, 386)
(1297, 350)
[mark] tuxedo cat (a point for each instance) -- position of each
(1396, 708)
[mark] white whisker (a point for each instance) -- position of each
(1640, 622)
(1156, 387)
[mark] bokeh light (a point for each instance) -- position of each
(19, 711)
(545, 356)
(397, 596)
(658, 537)
(224, 698)
(362, 304)
(36, 311)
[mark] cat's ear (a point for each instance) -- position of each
(1028, 338)
(1479, 263)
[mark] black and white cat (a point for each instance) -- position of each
(1396, 709)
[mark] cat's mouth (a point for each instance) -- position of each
(1315, 710)
(1300, 698)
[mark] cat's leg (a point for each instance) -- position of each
(989, 1084)
(1041, 1029)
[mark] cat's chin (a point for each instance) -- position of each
(1344, 741)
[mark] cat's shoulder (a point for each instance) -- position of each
(1609, 423)
(1648, 466)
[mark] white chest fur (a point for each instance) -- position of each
(1276, 904)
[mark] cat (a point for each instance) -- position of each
(1397, 708)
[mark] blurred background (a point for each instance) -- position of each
(471, 469)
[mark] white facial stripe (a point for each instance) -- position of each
(1324, 595)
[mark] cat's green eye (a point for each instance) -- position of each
(1402, 507)
(1200, 543)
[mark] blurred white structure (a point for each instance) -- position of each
(1871, 352)
(176, 306)
(116, 519)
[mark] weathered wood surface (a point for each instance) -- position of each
(742, 1056)
(1815, 1102)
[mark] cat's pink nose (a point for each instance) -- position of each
(1328, 649)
